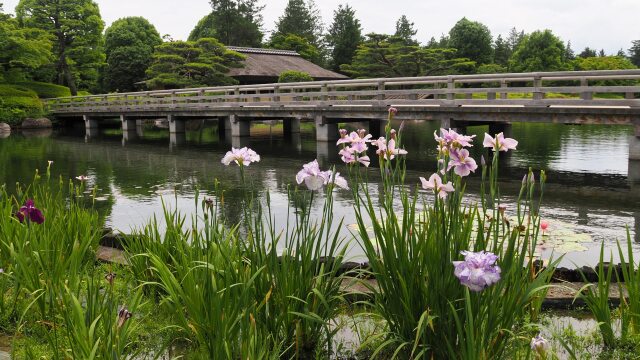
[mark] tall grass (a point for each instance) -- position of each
(410, 252)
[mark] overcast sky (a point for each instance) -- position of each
(600, 24)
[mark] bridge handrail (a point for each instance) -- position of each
(379, 89)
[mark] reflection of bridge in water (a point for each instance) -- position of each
(456, 101)
(151, 154)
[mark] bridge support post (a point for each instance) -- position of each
(129, 135)
(452, 124)
(128, 124)
(89, 123)
(140, 128)
(239, 127)
(325, 131)
(175, 126)
(177, 139)
(377, 127)
(291, 126)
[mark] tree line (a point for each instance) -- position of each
(64, 42)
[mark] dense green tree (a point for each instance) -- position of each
(442, 43)
(233, 22)
(181, 64)
(621, 53)
(634, 53)
(472, 40)
(390, 56)
(405, 30)
(21, 49)
(344, 36)
(303, 19)
(587, 53)
(601, 53)
(539, 51)
(290, 76)
(501, 51)
(129, 44)
(76, 27)
(298, 44)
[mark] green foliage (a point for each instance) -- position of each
(405, 30)
(45, 90)
(587, 53)
(539, 51)
(22, 49)
(501, 51)
(181, 64)
(18, 103)
(390, 56)
(294, 76)
(129, 44)
(471, 40)
(76, 27)
(302, 19)
(298, 44)
(344, 36)
(634, 53)
(603, 63)
(233, 22)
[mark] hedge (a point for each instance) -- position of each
(18, 103)
(45, 90)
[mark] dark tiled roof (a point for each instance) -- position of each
(249, 50)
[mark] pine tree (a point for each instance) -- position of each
(76, 27)
(634, 53)
(501, 51)
(405, 30)
(233, 22)
(601, 53)
(514, 39)
(621, 53)
(587, 52)
(568, 52)
(344, 36)
(302, 19)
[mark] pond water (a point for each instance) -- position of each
(589, 198)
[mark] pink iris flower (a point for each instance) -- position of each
(357, 140)
(499, 143)
(435, 184)
(350, 156)
(451, 138)
(461, 162)
(387, 149)
(315, 179)
(242, 157)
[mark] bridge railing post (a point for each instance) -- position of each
(537, 91)
(173, 99)
(504, 85)
(585, 95)
(451, 87)
(236, 92)
(381, 88)
(276, 91)
(324, 89)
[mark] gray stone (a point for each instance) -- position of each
(5, 128)
(39, 123)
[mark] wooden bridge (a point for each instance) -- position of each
(575, 97)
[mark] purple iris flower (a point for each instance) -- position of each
(461, 162)
(478, 270)
(30, 212)
(499, 143)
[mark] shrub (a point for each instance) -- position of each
(17, 103)
(45, 90)
(294, 76)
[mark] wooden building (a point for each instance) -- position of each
(263, 66)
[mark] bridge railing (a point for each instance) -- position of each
(572, 88)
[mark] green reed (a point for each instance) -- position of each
(410, 249)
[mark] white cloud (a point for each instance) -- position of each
(600, 24)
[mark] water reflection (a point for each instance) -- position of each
(587, 169)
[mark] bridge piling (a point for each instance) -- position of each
(633, 173)
(175, 125)
(291, 126)
(177, 139)
(325, 131)
(89, 122)
(239, 127)
(128, 124)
